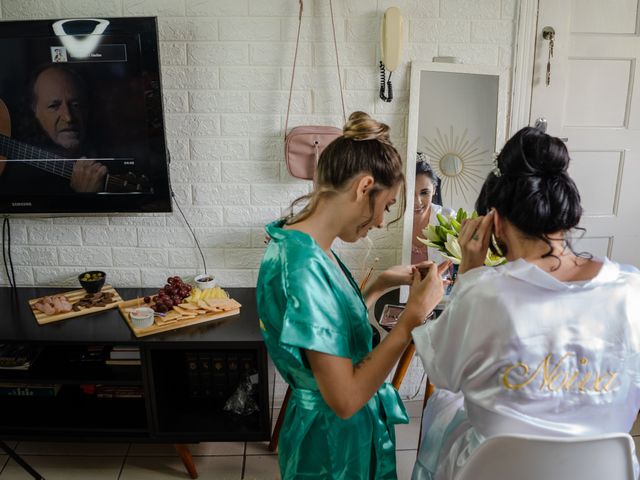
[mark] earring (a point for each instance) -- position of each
(501, 246)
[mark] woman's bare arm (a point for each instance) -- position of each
(346, 387)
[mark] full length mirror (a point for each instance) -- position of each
(457, 121)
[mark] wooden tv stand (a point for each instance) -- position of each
(178, 406)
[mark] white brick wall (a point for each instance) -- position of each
(226, 72)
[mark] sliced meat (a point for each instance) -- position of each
(45, 307)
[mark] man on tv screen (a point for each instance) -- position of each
(54, 125)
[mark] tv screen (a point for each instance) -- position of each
(81, 120)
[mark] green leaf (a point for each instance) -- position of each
(442, 233)
(444, 221)
(431, 234)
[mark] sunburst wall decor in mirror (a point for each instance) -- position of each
(457, 120)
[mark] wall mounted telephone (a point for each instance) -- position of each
(390, 48)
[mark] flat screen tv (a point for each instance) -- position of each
(81, 119)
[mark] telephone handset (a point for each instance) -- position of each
(390, 48)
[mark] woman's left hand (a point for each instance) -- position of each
(395, 276)
(403, 274)
(474, 239)
(390, 278)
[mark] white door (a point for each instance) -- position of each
(593, 99)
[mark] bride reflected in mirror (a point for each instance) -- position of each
(427, 204)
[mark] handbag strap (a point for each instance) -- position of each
(295, 58)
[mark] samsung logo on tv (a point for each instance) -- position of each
(21, 204)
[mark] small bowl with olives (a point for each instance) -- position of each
(92, 281)
(205, 281)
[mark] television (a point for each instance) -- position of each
(81, 119)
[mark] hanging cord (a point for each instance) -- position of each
(193, 234)
(295, 58)
(335, 45)
(6, 252)
(382, 82)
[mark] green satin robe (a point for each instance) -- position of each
(306, 302)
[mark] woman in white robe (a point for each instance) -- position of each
(547, 344)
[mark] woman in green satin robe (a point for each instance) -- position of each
(339, 423)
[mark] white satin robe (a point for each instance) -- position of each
(517, 351)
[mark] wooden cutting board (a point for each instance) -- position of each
(172, 321)
(73, 297)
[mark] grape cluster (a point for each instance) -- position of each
(173, 293)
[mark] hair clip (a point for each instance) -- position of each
(496, 169)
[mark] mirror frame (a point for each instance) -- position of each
(412, 133)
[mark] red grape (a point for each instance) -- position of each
(147, 300)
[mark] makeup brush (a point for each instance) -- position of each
(368, 275)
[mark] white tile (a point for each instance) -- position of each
(262, 448)
(407, 436)
(259, 448)
(196, 449)
(217, 448)
(73, 449)
(66, 468)
(159, 468)
(262, 468)
(405, 460)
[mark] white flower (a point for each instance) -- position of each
(454, 252)
(431, 233)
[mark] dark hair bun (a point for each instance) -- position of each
(361, 126)
(540, 155)
(532, 188)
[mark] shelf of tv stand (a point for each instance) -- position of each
(166, 413)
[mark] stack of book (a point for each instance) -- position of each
(28, 390)
(88, 355)
(117, 391)
(18, 357)
(216, 374)
(124, 355)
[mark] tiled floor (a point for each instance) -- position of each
(215, 461)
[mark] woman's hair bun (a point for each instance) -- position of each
(361, 126)
(532, 188)
(540, 155)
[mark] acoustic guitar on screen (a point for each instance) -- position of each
(12, 150)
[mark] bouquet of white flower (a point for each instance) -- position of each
(444, 238)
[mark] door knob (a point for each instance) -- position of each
(541, 124)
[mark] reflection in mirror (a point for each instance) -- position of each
(450, 165)
(427, 203)
(457, 120)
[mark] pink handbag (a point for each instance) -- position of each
(303, 145)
